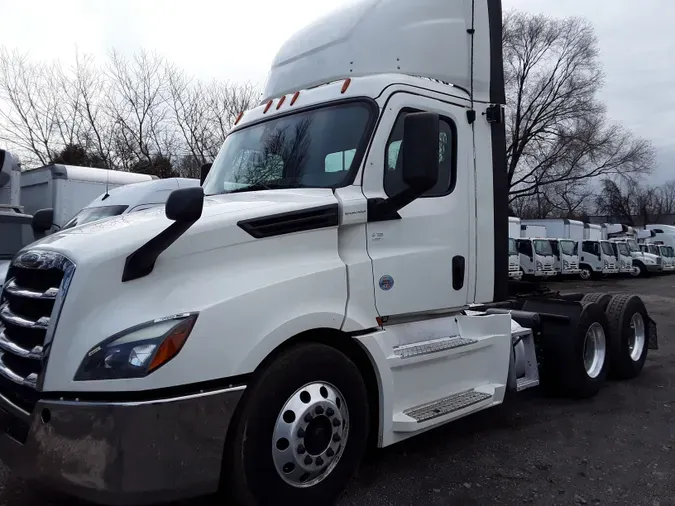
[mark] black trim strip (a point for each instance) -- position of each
(500, 183)
(151, 395)
(293, 221)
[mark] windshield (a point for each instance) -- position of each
(653, 250)
(542, 247)
(512, 247)
(607, 248)
(89, 214)
(320, 148)
(632, 246)
(664, 251)
(623, 249)
(569, 247)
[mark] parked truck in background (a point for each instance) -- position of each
(643, 263)
(515, 270)
(536, 253)
(668, 262)
(66, 188)
(565, 236)
(597, 255)
(353, 230)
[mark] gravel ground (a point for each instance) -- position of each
(617, 448)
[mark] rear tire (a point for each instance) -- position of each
(577, 363)
(301, 432)
(628, 336)
(602, 299)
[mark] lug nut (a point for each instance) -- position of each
(336, 438)
(308, 460)
(301, 433)
(319, 461)
(330, 412)
(330, 452)
(308, 417)
(319, 410)
(301, 450)
(336, 422)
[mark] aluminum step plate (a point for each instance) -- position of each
(414, 350)
(446, 405)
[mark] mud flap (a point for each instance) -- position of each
(652, 336)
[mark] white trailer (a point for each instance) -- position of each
(257, 338)
(515, 271)
(67, 188)
(565, 238)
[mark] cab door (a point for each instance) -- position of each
(422, 260)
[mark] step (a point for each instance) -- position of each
(446, 405)
(451, 407)
(432, 346)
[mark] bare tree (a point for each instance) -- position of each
(635, 204)
(30, 118)
(557, 131)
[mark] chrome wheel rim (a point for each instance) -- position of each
(635, 272)
(309, 434)
(585, 274)
(636, 342)
(595, 350)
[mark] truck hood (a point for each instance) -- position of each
(121, 235)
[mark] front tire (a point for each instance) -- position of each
(586, 273)
(639, 271)
(301, 431)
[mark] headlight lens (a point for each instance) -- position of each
(138, 351)
(540, 266)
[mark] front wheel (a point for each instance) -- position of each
(638, 271)
(301, 432)
(586, 273)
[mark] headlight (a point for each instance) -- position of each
(566, 264)
(138, 351)
(540, 266)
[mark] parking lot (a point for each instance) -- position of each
(617, 448)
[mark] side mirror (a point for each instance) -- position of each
(185, 205)
(204, 171)
(42, 222)
(420, 151)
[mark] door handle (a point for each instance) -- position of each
(458, 268)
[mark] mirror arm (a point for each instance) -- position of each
(387, 209)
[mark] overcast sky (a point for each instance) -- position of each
(237, 39)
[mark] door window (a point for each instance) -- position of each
(447, 157)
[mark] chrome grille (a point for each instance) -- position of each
(29, 307)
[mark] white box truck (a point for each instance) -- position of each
(597, 257)
(642, 263)
(565, 236)
(536, 253)
(515, 271)
(258, 336)
(67, 188)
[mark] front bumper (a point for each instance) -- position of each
(122, 452)
(570, 272)
(515, 274)
(653, 268)
(544, 274)
(610, 271)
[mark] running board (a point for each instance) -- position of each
(443, 410)
(433, 346)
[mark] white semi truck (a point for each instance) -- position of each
(536, 253)
(515, 271)
(565, 240)
(256, 340)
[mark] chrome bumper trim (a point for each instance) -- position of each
(131, 453)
